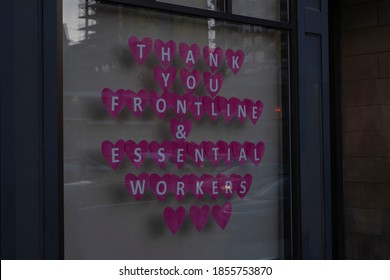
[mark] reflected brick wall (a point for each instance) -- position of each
(365, 50)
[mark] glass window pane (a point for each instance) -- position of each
(214, 5)
(265, 9)
(143, 130)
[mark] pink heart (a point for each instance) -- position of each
(165, 51)
(189, 55)
(213, 83)
(189, 79)
(225, 152)
(255, 110)
(197, 108)
(113, 153)
(212, 153)
(257, 154)
(211, 107)
(136, 152)
(113, 102)
(197, 153)
(159, 185)
(234, 102)
(212, 186)
(174, 218)
(180, 128)
(136, 185)
(189, 182)
(199, 216)
(140, 49)
(160, 103)
(239, 152)
(200, 185)
(137, 102)
(235, 60)
(164, 77)
(177, 186)
(222, 214)
(242, 184)
(225, 108)
(213, 57)
(179, 153)
(241, 109)
(181, 104)
(225, 185)
(160, 152)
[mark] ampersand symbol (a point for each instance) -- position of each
(180, 129)
(180, 133)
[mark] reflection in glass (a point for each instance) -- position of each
(265, 9)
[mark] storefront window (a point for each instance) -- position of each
(175, 136)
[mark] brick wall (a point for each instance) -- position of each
(365, 47)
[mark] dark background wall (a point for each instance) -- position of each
(365, 49)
